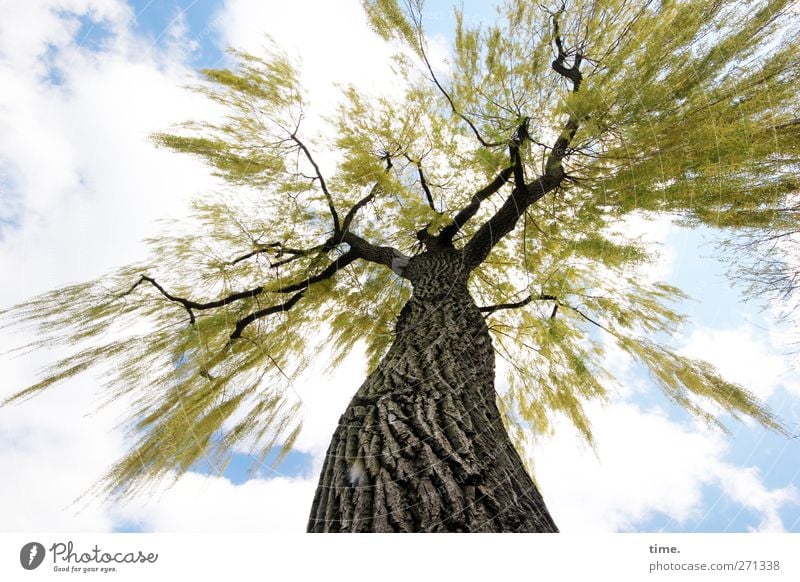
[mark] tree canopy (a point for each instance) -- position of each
(548, 128)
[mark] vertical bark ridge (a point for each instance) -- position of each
(421, 447)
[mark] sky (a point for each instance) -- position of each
(86, 81)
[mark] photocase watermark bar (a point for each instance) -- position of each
(65, 553)
(618, 557)
(68, 558)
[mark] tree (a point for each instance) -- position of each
(467, 217)
(766, 260)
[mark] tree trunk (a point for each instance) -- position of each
(421, 446)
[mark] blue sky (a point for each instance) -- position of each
(152, 19)
(763, 461)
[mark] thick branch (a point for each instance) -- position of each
(191, 305)
(261, 313)
(519, 138)
(188, 305)
(516, 169)
(553, 162)
(362, 248)
(359, 249)
(505, 219)
(465, 214)
(351, 214)
(302, 285)
(492, 308)
(573, 73)
(387, 256)
(424, 183)
(298, 289)
(326, 273)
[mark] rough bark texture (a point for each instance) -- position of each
(421, 446)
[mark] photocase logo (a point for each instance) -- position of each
(31, 555)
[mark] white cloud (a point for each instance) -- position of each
(81, 164)
(200, 503)
(648, 464)
(33, 32)
(84, 186)
(83, 171)
(746, 487)
(651, 231)
(645, 465)
(53, 449)
(326, 394)
(332, 41)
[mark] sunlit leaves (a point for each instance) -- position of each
(679, 377)
(392, 22)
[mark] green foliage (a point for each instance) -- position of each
(685, 109)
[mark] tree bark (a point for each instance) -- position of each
(422, 447)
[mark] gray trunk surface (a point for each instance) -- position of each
(422, 447)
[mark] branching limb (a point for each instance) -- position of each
(492, 308)
(426, 188)
(386, 256)
(298, 288)
(505, 219)
(520, 137)
(279, 250)
(417, 18)
(326, 273)
(188, 305)
(322, 184)
(191, 305)
(362, 248)
(351, 214)
(553, 163)
(516, 169)
(523, 196)
(423, 182)
(242, 323)
(572, 73)
(489, 309)
(465, 214)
